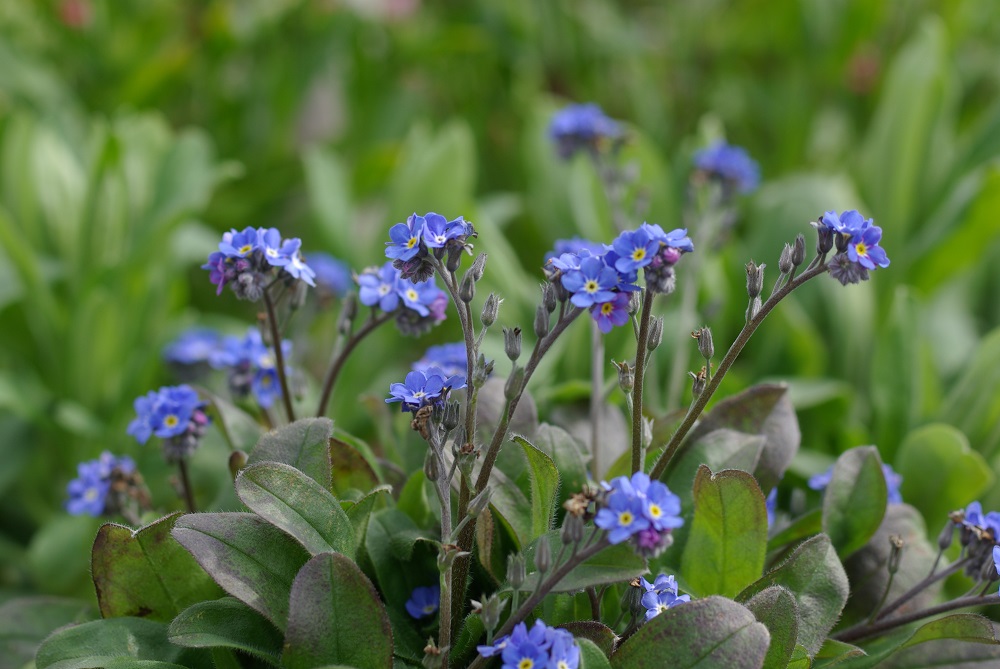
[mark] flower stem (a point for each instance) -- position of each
(640, 368)
(920, 587)
(864, 630)
(673, 447)
(596, 397)
(340, 356)
(186, 486)
(279, 357)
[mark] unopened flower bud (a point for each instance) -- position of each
(237, 461)
(824, 239)
(515, 570)
(989, 571)
(541, 321)
(467, 290)
(572, 529)
(512, 343)
(433, 656)
(755, 278)
(655, 333)
(543, 555)
(454, 258)
(478, 265)
(479, 372)
(698, 382)
(561, 293)
(431, 468)
(634, 302)
(799, 250)
(946, 536)
(840, 240)
(479, 502)
(705, 344)
(632, 598)
(785, 260)
(489, 367)
(895, 553)
(514, 382)
(626, 376)
(490, 611)
(549, 298)
(490, 310)
(452, 415)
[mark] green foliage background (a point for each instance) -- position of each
(131, 134)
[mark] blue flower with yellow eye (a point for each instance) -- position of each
(612, 313)
(635, 249)
(418, 296)
(240, 244)
(424, 601)
(404, 238)
(377, 287)
(592, 283)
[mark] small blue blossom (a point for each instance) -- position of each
(252, 366)
(88, 492)
(333, 277)
(541, 647)
(240, 244)
(677, 238)
(419, 297)
(892, 482)
(404, 239)
(291, 261)
(635, 249)
(247, 258)
(424, 601)
(591, 283)
(377, 287)
(612, 313)
(641, 508)
(173, 413)
(580, 126)
(575, 245)
(423, 388)
(435, 230)
(731, 164)
(450, 358)
(657, 602)
(849, 223)
(193, 346)
(863, 248)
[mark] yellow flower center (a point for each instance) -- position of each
(625, 518)
(430, 608)
(590, 286)
(563, 664)
(266, 381)
(411, 295)
(413, 242)
(638, 254)
(90, 495)
(246, 248)
(655, 511)
(526, 663)
(660, 608)
(171, 420)
(861, 249)
(607, 308)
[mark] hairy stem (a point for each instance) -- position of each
(186, 486)
(640, 368)
(673, 446)
(340, 356)
(920, 587)
(596, 397)
(279, 357)
(864, 630)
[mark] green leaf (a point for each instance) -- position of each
(897, 374)
(413, 499)
(612, 565)
(719, 449)
(763, 410)
(336, 617)
(240, 430)
(800, 658)
(775, 607)
(351, 470)
(597, 633)
(816, 579)
(295, 503)
(567, 453)
(26, 621)
(835, 652)
(252, 560)
(227, 623)
(973, 405)
(711, 632)
(591, 657)
(360, 512)
(854, 502)
(950, 637)
(116, 642)
(511, 506)
(806, 525)
(726, 547)
(544, 486)
(938, 457)
(303, 444)
(145, 573)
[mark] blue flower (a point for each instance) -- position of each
(635, 249)
(377, 287)
(656, 602)
(240, 244)
(193, 346)
(422, 388)
(424, 601)
(251, 365)
(332, 276)
(450, 358)
(892, 482)
(771, 505)
(88, 492)
(245, 259)
(405, 239)
(863, 248)
(641, 507)
(541, 647)
(591, 283)
(677, 238)
(581, 125)
(974, 514)
(731, 164)
(612, 313)
(849, 223)
(575, 245)
(419, 297)
(173, 411)
(435, 230)
(141, 426)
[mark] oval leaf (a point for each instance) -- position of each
(816, 579)
(614, 564)
(145, 573)
(227, 623)
(854, 502)
(591, 657)
(252, 560)
(297, 504)
(776, 609)
(544, 486)
(26, 621)
(727, 545)
(303, 444)
(100, 643)
(597, 633)
(715, 631)
(336, 617)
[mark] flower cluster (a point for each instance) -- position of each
(641, 509)
(91, 491)
(412, 243)
(246, 259)
(175, 414)
(424, 601)
(601, 278)
(731, 165)
(582, 126)
(251, 366)
(856, 239)
(892, 482)
(419, 306)
(424, 388)
(449, 358)
(979, 535)
(193, 347)
(540, 647)
(661, 595)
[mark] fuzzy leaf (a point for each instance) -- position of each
(726, 547)
(835, 652)
(591, 656)
(776, 609)
(612, 565)
(335, 617)
(145, 573)
(303, 444)
(227, 623)
(26, 621)
(711, 632)
(251, 559)
(544, 486)
(569, 456)
(816, 579)
(351, 470)
(360, 512)
(854, 502)
(297, 504)
(116, 642)
(597, 633)
(963, 639)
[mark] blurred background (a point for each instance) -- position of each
(133, 133)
